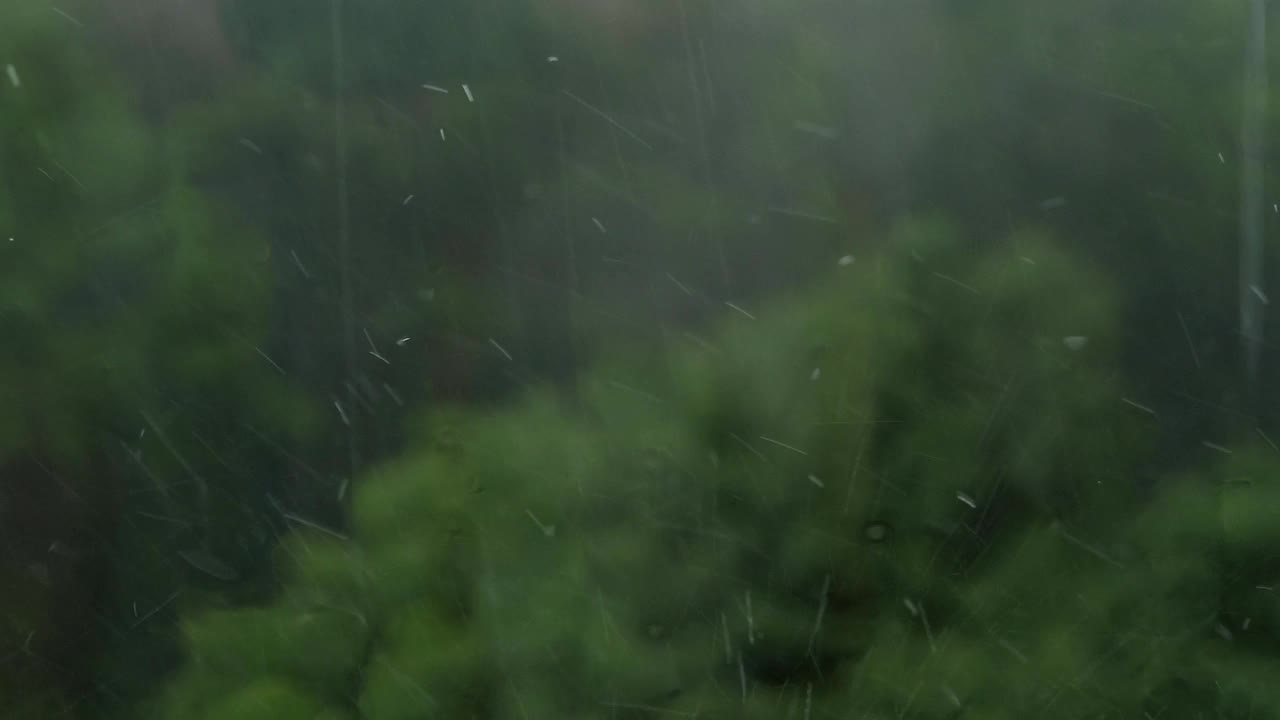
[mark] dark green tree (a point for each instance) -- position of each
(132, 309)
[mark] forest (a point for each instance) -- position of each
(621, 359)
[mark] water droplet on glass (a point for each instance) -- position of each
(876, 531)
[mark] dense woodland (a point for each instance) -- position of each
(531, 359)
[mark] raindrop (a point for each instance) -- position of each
(876, 531)
(206, 563)
(951, 695)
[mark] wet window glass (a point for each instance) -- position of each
(534, 359)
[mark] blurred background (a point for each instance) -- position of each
(617, 359)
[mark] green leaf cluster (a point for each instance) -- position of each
(912, 489)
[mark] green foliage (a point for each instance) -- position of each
(316, 645)
(755, 529)
(921, 482)
(131, 304)
(270, 700)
